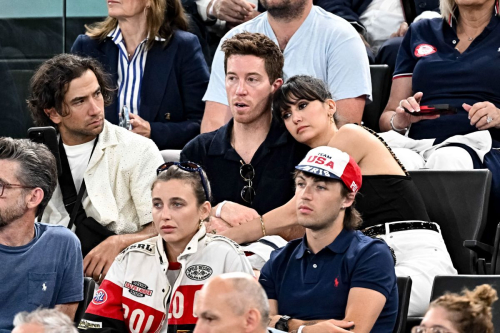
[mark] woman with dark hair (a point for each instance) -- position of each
(469, 312)
(152, 284)
(157, 66)
(390, 204)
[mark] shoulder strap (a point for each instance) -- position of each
(73, 207)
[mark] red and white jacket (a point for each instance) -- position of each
(134, 294)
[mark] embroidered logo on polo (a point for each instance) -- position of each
(199, 272)
(336, 282)
(423, 50)
(138, 289)
(100, 297)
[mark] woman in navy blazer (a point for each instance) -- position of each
(175, 74)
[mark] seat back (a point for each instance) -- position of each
(88, 294)
(381, 88)
(404, 291)
(458, 202)
(456, 283)
(171, 155)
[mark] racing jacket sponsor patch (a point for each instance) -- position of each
(138, 289)
(88, 324)
(423, 50)
(199, 272)
(100, 297)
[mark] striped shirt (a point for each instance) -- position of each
(130, 71)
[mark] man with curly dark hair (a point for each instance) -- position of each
(117, 167)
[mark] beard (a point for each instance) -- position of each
(285, 10)
(11, 214)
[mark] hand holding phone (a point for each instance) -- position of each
(432, 110)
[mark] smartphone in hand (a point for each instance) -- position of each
(431, 110)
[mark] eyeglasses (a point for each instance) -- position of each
(422, 329)
(247, 173)
(4, 186)
(187, 166)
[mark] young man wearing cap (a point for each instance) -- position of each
(334, 278)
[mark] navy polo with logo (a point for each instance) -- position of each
(312, 286)
(273, 163)
(446, 76)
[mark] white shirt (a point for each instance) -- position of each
(78, 158)
(381, 19)
(325, 46)
(118, 179)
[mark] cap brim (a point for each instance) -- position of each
(317, 172)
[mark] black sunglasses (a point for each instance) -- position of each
(247, 172)
(187, 166)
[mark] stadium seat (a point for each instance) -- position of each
(404, 291)
(381, 88)
(458, 202)
(456, 283)
(88, 294)
(171, 155)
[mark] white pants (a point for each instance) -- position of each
(421, 255)
(446, 158)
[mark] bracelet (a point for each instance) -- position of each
(394, 128)
(219, 209)
(263, 226)
(301, 328)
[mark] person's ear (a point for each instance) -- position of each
(53, 115)
(205, 209)
(348, 200)
(332, 106)
(277, 84)
(34, 198)
(252, 320)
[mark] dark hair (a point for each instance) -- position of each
(51, 81)
(163, 19)
(193, 178)
(299, 87)
(37, 166)
(352, 218)
(470, 312)
(258, 45)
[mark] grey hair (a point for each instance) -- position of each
(37, 166)
(52, 320)
(250, 294)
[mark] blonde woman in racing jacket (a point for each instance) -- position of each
(153, 284)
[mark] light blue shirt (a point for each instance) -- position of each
(325, 46)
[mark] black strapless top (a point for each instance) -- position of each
(389, 198)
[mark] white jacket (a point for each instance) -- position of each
(118, 179)
(134, 295)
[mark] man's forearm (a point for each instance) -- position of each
(148, 231)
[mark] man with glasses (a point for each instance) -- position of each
(41, 263)
(250, 159)
(114, 165)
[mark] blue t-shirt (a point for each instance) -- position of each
(45, 272)
(445, 76)
(312, 286)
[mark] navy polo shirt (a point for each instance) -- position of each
(312, 286)
(273, 162)
(445, 76)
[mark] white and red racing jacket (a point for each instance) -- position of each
(134, 295)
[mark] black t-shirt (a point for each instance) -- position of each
(273, 162)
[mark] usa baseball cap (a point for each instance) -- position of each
(332, 163)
